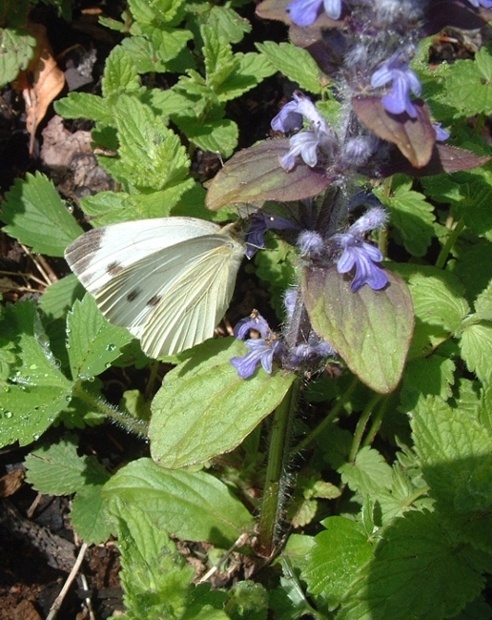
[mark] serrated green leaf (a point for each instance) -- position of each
(143, 54)
(38, 391)
(228, 24)
(371, 330)
(17, 50)
(156, 12)
(36, 216)
(250, 70)
(476, 610)
(93, 343)
(413, 217)
(483, 304)
(432, 375)
(220, 62)
(204, 408)
(475, 347)
(89, 515)
(468, 86)
(216, 136)
(295, 63)
(60, 296)
(369, 474)
(334, 561)
(473, 267)
(191, 505)
(120, 73)
(154, 577)
(437, 295)
(57, 469)
(84, 105)
(415, 559)
(152, 156)
(454, 451)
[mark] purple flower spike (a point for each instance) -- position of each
(261, 222)
(254, 321)
(291, 115)
(310, 243)
(261, 350)
(306, 12)
(404, 81)
(361, 255)
(486, 4)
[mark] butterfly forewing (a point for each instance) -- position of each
(168, 281)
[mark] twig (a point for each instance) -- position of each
(242, 540)
(88, 601)
(59, 599)
(42, 266)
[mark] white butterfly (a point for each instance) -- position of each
(168, 280)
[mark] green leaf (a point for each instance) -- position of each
(437, 295)
(191, 505)
(475, 347)
(369, 474)
(152, 156)
(57, 469)
(204, 409)
(474, 267)
(59, 297)
(468, 86)
(412, 216)
(154, 577)
(483, 304)
(419, 571)
(156, 12)
(38, 391)
(84, 105)
(456, 455)
(36, 216)
(17, 50)
(93, 343)
(334, 561)
(220, 62)
(89, 515)
(370, 329)
(296, 63)
(216, 136)
(250, 70)
(228, 24)
(254, 174)
(120, 73)
(432, 375)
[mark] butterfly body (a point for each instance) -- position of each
(169, 281)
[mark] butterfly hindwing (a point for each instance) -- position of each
(168, 281)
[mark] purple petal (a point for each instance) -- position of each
(333, 8)
(254, 321)
(304, 12)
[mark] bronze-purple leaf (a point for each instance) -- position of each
(445, 158)
(415, 137)
(255, 174)
(371, 330)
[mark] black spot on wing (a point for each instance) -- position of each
(153, 301)
(114, 268)
(132, 295)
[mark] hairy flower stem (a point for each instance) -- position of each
(128, 422)
(339, 405)
(274, 490)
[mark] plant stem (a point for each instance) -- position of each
(128, 422)
(361, 425)
(328, 420)
(446, 248)
(376, 423)
(273, 495)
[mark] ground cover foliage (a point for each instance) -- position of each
(341, 466)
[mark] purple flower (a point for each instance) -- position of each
(305, 12)
(291, 115)
(404, 81)
(486, 4)
(311, 243)
(361, 255)
(442, 134)
(261, 350)
(261, 222)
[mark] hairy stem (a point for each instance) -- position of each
(128, 422)
(273, 495)
(361, 425)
